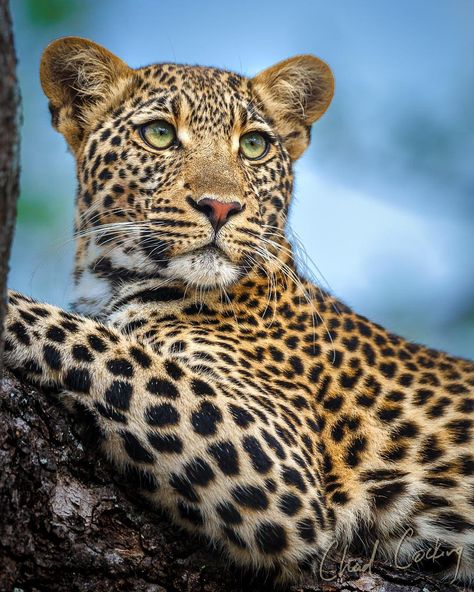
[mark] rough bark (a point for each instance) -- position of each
(9, 165)
(68, 523)
(66, 520)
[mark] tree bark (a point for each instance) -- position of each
(67, 523)
(9, 147)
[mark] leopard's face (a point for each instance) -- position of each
(204, 208)
(155, 208)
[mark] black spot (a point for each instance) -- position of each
(293, 477)
(441, 481)
(118, 394)
(97, 343)
(289, 504)
(78, 380)
(226, 457)
(395, 396)
(396, 453)
(140, 357)
(271, 485)
(389, 413)
(452, 522)
(132, 326)
(296, 365)
(140, 478)
(190, 514)
(81, 353)
(274, 444)
(20, 332)
(354, 450)
(334, 403)
(31, 366)
(434, 501)
(110, 157)
(382, 475)
(260, 460)
(386, 494)
(135, 450)
(318, 512)
(159, 295)
(120, 367)
(369, 353)
(202, 388)
(250, 496)
(56, 334)
(406, 429)
(405, 379)
(365, 400)
(183, 487)
(173, 370)
(364, 329)
(52, 357)
(110, 413)
(270, 538)
(166, 443)
(340, 498)
(93, 434)
(70, 323)
(206, 418)
(422, 396)
(460, 430)
(162, 387)
(199, 472)
(466, 465)
(348, 380)
(234, 538)
(430, 450)
(388, 369)
(438, 410)
(306, 530)
(242, 417)
(229, 513)
(161, 415)
(40, 311)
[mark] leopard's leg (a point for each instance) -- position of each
(216, 466)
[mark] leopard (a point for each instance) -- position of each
(251, 405)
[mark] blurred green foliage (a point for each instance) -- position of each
(37, 211)
(50, 12)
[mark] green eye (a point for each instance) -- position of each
(253, 145)
(158, 134)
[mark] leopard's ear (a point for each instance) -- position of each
(77, 76)
(295, 93)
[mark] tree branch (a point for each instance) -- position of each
(9, 149)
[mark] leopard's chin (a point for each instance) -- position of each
(207, 268)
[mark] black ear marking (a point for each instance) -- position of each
(54, 111)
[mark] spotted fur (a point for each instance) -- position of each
(255, 408)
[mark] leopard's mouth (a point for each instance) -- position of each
(206, 267)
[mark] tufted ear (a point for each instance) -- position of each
(78, 75)
(295, 93)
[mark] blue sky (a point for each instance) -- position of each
(384, 196)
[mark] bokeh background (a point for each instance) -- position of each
(385, 194)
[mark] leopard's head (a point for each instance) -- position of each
(185, 172)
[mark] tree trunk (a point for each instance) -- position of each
(9, 162)
(66, 521)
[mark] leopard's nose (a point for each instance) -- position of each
(218, 212)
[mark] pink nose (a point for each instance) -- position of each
(217, 211)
